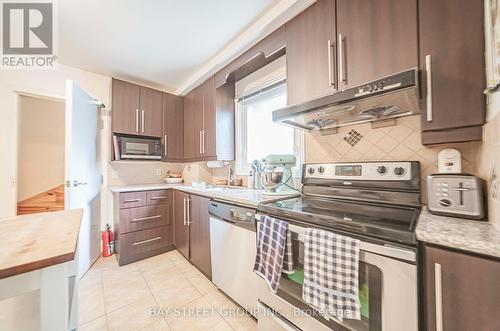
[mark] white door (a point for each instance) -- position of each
(83, 171)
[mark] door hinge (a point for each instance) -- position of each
(102, 124)
(68, 183)
(13, 182)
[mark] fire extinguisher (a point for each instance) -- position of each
(108, 247)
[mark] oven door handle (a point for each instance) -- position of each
(385, 250)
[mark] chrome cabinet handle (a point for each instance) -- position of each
(165, 145)
(203, 141)
(146, 241)
(142, 121)
(438, 292)
(188, 212)
(184, 202)
(145, 218)
(428, 71)
(342, 60)
(331, 63)
(131, 200)
(201, 144)
(137, 120)
(158, 198)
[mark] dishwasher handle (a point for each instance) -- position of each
(243, 224)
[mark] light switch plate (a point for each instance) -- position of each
(158, 171)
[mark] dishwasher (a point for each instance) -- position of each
(233, 250)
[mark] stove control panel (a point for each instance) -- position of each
(376, 171)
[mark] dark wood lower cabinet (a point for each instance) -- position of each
(199, 235)
(192, 230)
(467, 288)
(181, 228)
(142, 225)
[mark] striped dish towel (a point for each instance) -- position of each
(331, 271)
(274, 251)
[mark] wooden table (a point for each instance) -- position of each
(38, 251)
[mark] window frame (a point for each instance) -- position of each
(242, 167)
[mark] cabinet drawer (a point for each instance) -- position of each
(132, 199)
(133, 219)
(138, 245)
(157, 197)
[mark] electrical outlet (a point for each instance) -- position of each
(114, 174)
(158, 171)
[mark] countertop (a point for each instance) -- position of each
(37, 241)
(470, 236)
(240, 196)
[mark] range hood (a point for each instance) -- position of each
(390, 97)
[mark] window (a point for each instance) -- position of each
(257, 135)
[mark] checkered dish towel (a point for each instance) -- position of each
(274, 251)
(331, 265)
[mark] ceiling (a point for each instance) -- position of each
(159, 43)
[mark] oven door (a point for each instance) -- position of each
(387, 291)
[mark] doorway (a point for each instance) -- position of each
(40, 166)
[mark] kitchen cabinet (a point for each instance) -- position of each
(209, 123)
(461, 291)
(142, 224)
(311, 51)
(453, 76)
(199, 235)
(337, 44)
(173, 128)
(192, 231)
(137, 110)
(181, 226)
(375, 39)
(125, 106)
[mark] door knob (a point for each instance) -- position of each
(77, 183)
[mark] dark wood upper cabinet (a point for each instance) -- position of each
(375, 39)
(181, 228)
(151, 107)
(311, 53)
(193, 123)
(209, 123)
(125, 100)
(137, 110)
(468, 287)
(453, 70)
(199, 235)
(173, 127)
(209, 148)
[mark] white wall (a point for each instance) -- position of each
(41, 146)
(49, 82)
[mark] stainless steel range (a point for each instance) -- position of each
(376, 202)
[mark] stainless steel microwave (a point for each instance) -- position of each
(139, 148)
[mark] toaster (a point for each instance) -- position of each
(458, 195)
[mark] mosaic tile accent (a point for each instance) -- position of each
(353, 137)
(396, 143)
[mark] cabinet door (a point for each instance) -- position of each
(151, 112)
(125, 105)
(209, 147)
(193, 123)
(467, 291)
(181, 229)
(311, 53)
(452, 42)
(375, 39)
(173, 127)
(199, 232)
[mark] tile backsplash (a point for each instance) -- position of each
(401, 142)
(133, 172)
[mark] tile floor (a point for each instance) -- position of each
(164, 293)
